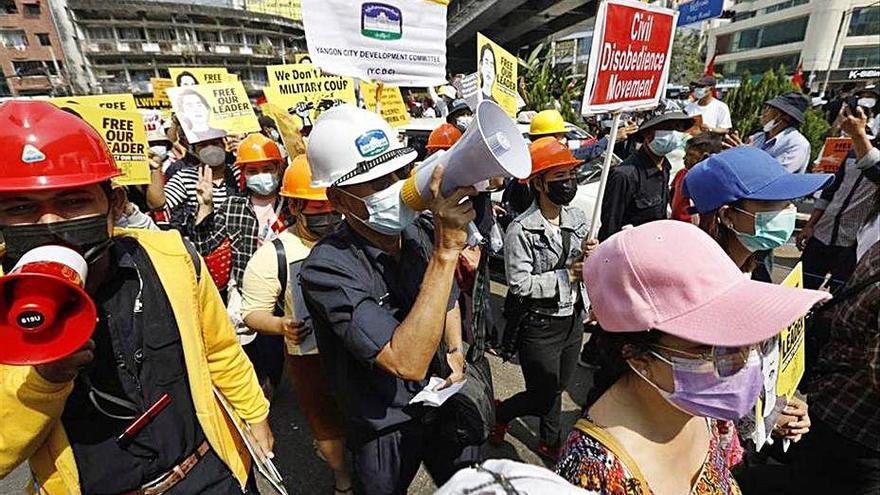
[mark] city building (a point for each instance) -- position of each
(840, 36)
(118, 46)
(30, 54)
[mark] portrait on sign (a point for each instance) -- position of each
(487, 71)
(195, 116)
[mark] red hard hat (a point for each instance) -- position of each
(48, 148)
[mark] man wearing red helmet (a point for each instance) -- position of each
(162, 332)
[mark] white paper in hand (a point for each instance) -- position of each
(435, 398)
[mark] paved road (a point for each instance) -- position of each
(305, 474)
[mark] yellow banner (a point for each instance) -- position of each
(292, 9)
(791, 344)
(303, 91)
(125, 135)
(206, 111)
(302, 58)
(392, 107)
(120, 101)
(287, 128)
(782, 367)
(190, 76)
(496, 74)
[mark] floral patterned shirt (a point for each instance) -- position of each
(588, 463)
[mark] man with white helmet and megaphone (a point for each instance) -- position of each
(382, 298)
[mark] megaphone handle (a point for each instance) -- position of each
(475, 238)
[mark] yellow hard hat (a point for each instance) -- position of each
(547, 122)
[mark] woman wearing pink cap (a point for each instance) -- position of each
(682, 337)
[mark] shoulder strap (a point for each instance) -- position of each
(282, 275)
(566, 247)
(606, 439)
(194, 255)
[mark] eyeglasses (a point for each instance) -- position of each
(727, 361)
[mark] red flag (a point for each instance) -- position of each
(710, 69)
(798, 78)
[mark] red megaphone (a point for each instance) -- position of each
(45, 313)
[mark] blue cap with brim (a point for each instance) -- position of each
(746, 172)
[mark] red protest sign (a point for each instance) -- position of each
(629, 58)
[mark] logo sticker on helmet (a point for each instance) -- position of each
(30, 154)
(371, 143)
(381, 21)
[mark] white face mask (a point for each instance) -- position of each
(387, 213)
(464, 122)
(700, 93)
(665, 142)
(263, 184)
(867, 102)
(769, 126)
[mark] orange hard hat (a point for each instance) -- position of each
(548, 153)
(298, 179)
(443, 137)
(257, 148)
(48, 148)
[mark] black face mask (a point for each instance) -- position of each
(88, 236)
(561, 192)
(322, 224)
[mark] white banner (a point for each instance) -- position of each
(397, 42)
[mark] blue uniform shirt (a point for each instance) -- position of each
(357, 295)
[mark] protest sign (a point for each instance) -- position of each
(629, 57)
(302, 58)
(302, 90)
(397, 42)
(125, 135)
(496, 71)
(120, 101)
(833, 154)
(392, 107)
(782, 368)
(287, 127)
(205, 110)
(154, 124)
(191, 76)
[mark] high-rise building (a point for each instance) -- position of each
(842, 36)
(30, 54)
(116, 47)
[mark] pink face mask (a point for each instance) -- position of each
(700, 391)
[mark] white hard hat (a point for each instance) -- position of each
(349, 145)
(503, 477)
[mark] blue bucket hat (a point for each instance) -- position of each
(746, 172)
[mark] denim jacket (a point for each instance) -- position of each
(531, 251)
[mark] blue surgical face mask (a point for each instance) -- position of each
(700, 93)
(665, 142)
(263, 184)
(772, 229)
(387, 213)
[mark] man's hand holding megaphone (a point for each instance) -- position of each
(66, 368)
(452, 215)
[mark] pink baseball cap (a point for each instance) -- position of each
(671, 276)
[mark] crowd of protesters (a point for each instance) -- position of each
(242, 261)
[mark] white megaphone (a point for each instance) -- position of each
(45, 313)
(491, 147)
